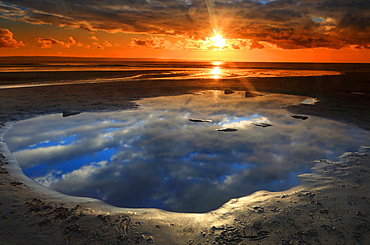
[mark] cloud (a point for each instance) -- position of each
(107, 44)
(256, 45)
(71, 41)
(96, 45)
(48, 42)
(207, 44)
(153, 42)
(7, 40)
(288, 24)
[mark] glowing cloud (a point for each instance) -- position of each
(48, 42)
(7, 40)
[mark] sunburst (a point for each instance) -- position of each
(218, 41)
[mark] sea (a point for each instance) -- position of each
(151, 69)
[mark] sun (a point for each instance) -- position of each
(218, 41)
(215, 43)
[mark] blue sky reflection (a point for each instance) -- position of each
(156, 157)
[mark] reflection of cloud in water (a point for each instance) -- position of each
(156, 157)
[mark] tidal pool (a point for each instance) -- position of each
(155, 156)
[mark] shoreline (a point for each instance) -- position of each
(329, 206)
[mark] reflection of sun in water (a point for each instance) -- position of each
(216, 72)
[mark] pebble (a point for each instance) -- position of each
(199, 120)
(300, 117)
(261, 124)
(227, 129)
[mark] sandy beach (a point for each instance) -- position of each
(330, 206)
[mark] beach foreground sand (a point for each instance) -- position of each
(330, 206)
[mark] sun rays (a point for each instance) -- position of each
(218, 41)
(215, 43)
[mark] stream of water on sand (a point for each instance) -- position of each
(156, 157)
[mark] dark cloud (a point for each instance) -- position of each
(157, 157)
(287, 24)
(83, 27)
(7, 40)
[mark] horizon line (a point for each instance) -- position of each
(165, 59)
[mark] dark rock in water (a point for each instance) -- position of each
(227, 129)
(300, 117)
(68, 113)
(199, 120)
(249, 94)
(261, 124)
(228, 91)
(353, 92)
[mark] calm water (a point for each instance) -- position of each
(132, 70)
(155, 157)
(24, 64)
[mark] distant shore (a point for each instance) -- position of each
(330, 206)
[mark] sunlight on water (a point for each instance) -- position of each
(216, 72)
(25, 74)
(156, 157)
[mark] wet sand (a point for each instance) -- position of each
(330, 206)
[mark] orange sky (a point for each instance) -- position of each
(279, 30)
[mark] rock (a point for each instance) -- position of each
(262, 124)
(228, 91)
(353, 92)
(300, 117)
(199, 120)
(227, 129)
(68, 113)
(249, 94)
